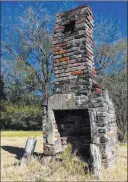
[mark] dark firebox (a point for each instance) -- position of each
(75, 125)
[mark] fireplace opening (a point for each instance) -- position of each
(75, 126)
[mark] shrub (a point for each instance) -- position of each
(18, 117)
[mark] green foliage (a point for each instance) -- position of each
(19, 117)
(2, 94)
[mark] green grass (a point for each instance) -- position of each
(20, 133)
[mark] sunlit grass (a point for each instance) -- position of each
(20, 133)
(69, 167)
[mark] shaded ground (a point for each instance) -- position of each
(11, 152)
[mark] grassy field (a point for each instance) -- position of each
(20, 133)
(69, 168)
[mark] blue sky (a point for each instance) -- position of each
(12, 10)
(113, 9)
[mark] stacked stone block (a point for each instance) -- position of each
(77, 91)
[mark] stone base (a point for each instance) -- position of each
(98, 128)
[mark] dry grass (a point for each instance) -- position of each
(71, 168)
(119, 171)
(20, 133)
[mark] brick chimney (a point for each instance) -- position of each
(80, 112)
(73, 51)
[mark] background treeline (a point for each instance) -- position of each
(27, 79)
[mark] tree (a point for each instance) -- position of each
(110, 55)
(31, 59)
(27, 58)
(27, 54)
(108, 45)
(2, 94)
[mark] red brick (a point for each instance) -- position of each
(76, 12)
(93, 70)
(77, 72)
(55, 61)
(63, 59)
(71, 61)
(62, 44)
(56, 49)
(62, 51)
(59, 27)
(98, 90)
(80, 21)
(90, 18)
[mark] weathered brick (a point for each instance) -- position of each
(77, 72)
(64, 59)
